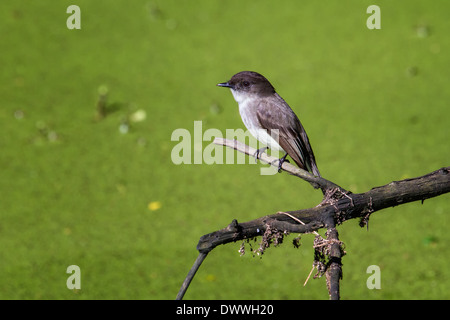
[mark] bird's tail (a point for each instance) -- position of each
(314, 169)
(308, 165)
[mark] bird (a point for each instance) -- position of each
(271, 120)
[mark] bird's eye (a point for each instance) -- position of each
(246, 83)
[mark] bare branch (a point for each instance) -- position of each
(337, 207)
(191, 274)
(334, 269)
(350, 206)
(316, 182)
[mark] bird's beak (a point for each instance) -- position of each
(226, 85)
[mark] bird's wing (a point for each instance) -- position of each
(275, 113)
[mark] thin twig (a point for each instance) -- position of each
(316, 182)
(191, 274)
(296, 219)
(309, 275)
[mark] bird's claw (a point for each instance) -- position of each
(280, 162)
(258, 152)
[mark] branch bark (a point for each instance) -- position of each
(337, 207)
(316, 182)
(348, 206)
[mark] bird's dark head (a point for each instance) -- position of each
(248, 83)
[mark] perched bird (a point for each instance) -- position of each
(270, 119)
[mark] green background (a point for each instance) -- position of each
(75, 189)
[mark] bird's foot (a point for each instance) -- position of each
(281, 161)
(258, 152)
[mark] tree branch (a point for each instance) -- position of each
(191, 274)
(291, 169)
(347, 207)
(337, 207)
(334, 269)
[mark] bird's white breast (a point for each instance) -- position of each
(248, 115)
